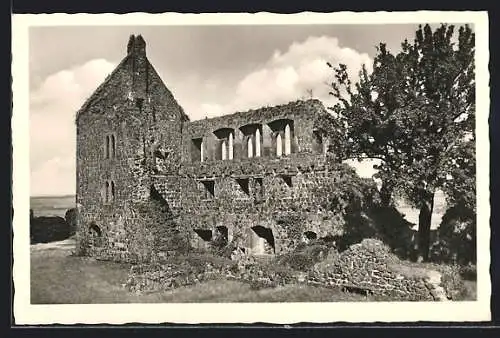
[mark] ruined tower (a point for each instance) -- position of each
(128, 127)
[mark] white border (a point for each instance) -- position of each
(280, 313)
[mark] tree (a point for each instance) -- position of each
(413, 112)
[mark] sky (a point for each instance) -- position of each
(211, 71)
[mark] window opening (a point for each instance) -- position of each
(209, 186)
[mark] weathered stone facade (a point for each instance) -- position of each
(238, 177)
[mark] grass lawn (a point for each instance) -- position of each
(59, 278)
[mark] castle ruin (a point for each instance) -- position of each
(142, 166)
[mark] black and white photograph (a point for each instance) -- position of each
(251, 167)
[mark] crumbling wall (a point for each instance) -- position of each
(370, 267)
(284, 199)
(301, 114)
(367, 268)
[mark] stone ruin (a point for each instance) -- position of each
(146, 174)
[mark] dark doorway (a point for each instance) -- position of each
(267, 235)
(95, 230)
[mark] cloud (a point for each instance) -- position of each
(53, 106)
(286, 76)
(56, 176)
(291, 75)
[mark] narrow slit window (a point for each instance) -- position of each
(112, 190)
(113, 146)
(106, 148)
(106, 195)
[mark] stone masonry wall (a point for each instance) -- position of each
(134, 105)
(244, 199)
(269, 202)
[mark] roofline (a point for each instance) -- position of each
(87, 102)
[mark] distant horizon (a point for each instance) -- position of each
(50, 196)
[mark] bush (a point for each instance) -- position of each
(468, 272)
(200, 261)
(48, 229)
(297, 261)
(317, 249)
(456, 237)
(304, 256)
(452, 283)
(71, 218)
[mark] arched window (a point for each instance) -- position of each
(288, 142)
(252, 134)
(225, 143)
(283, 132)
(279, 149)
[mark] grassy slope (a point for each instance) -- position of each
(58, 278)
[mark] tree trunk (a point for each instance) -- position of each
(385, 195)
(424, 224)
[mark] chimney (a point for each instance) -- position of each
(136, 45)
(138, 63)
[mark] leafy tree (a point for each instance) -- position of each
(414, 112)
